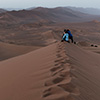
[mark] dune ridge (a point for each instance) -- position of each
(44, 74)
(60, 86)
(60, 71)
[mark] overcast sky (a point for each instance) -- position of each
(48, 3)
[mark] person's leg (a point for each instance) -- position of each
(62, 40)
(71, 39)
(68, 41)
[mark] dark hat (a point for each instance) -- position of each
(65, 30)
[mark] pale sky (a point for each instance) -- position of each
(48, 3)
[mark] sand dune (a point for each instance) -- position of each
(60, 71)
(86, 72)
(37, 75)
(11, 50)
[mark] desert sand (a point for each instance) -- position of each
(85, 71)
(35, 65)
(11, 50)
(60, 71)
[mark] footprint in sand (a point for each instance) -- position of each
(59, 60)
(58, 51)
(69, 87)
(58, 80)
(52, 91)
(62, 61)
(58, 56)
(55, 69)
(47, 92)
(64, 74)
(58, 64)
(54, 81)
(57, 72)
(57, 93)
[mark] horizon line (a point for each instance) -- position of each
(43, 7)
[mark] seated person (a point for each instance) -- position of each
(65, 36)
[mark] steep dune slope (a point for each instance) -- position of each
(86, 72)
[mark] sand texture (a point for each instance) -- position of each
(60, 71)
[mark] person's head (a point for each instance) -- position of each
(65, 31)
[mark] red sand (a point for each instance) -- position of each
(49, 74)
(85, 72)
(11, 50)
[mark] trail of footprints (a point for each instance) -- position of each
(60, 82)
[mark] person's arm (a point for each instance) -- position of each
(64, 36)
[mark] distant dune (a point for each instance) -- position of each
(10, 50)
(92, 11)
(59, 14)
(3, 10)
(39, 25)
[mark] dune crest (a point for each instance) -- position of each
(43, 74)
(60, 71)
(59, 85)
